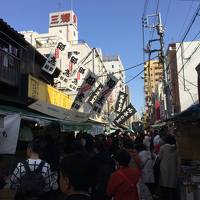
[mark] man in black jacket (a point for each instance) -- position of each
(77, 174)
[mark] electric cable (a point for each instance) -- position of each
(134, 77)
(168, 9)
(186, 18)
(195, 50)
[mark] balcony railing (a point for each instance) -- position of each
(9, 68)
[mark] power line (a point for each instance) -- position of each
(145, 7)
(190, 26)
(168, 8)
(137, 65)
(187, 15)
(186, 33)
(134, 77)
(188, 81)
(195, 50)
(157, 6)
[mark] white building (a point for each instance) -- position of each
(114, 65)
(182, 76)
(63, 27)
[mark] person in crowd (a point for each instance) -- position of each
(122, 183)
(156, 142)
(135, 159)
(2, 177)
(147, 141)
(32, 177)
(146, 166)
(77, 173)
(51, 155)
(105, 166)
(168, 168)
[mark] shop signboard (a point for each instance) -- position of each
(39, 90)
(120, 102)
(58, 112)
(85, 90)
(104, 94)
(125, 115)
(62, 18)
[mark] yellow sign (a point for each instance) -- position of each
(39, 90)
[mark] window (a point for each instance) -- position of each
(112, 66)
(74, 33)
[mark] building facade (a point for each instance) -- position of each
(153, 75)
(18, 59)
(114, 65)
(182, 77)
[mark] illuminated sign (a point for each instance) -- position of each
(39, 90)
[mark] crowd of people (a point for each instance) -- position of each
(120, 166)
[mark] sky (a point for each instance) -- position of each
(112, 25)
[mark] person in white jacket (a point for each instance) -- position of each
(147, 163)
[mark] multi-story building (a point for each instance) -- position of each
(114, 65)
(18, 59)
(182, 77)
(153, 73)
(63, 28)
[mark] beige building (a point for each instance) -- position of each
(153, 74)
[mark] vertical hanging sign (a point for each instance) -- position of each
(105, 92)
(125, 115)
(120, 102)
(50, 64)
(84, 90)
(93, 97)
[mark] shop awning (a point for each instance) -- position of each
(26, 114)
(65, 125)
(158, 125)
(192, 114)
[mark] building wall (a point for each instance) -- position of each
(153, 73)
(187, 78)
(172, 78)
(113, 64)
(154, 76)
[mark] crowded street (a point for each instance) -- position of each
(99, 100)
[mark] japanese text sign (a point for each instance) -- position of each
(73, 81)
(125, 115)
(93, 97)
(62, 18)
(84, 91)
(120, 102)
(105, 92)
(50, 64)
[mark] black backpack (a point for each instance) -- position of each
(32, 182)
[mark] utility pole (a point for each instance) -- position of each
(160, 32)
(157, 25)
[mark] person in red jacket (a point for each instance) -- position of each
(122, 184)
